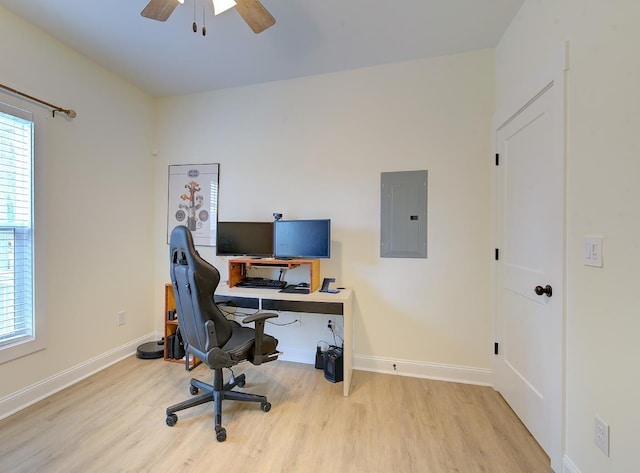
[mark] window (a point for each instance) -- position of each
(17, 315)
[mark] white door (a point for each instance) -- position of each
(530, 234)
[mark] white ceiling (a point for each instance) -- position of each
(309, 37)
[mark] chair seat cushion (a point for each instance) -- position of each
(241, 345)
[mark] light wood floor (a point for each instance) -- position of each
(114, 422)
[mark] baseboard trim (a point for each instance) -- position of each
(453, 373)
(25, 397)
(568, 466)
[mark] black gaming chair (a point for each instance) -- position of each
(208, 335)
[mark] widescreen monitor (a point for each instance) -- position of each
(244, 239)
(302, 238)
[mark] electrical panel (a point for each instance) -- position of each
(403, 214)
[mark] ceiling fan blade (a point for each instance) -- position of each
(159, 10)
(255, 14)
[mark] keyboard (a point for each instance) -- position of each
(262, 283)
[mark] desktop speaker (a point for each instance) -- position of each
(333, 365)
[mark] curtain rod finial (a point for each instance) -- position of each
(69, 113)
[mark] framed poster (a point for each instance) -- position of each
(193, 201)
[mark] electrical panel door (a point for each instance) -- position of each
(403, 214)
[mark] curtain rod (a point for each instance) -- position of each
(68, 112)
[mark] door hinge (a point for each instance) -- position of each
(497, 159)
(495, 348)
(497, 256)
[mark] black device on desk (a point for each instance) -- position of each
(325, 286)
(301, 288)
(262, 283)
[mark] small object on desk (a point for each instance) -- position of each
(325, 286)
(301, 288)
(291, 289)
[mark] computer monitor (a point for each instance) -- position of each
(302, 238)
(244, 239)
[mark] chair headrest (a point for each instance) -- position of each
(181, 247)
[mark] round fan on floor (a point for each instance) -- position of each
(251, 11)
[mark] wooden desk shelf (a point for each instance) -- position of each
(238, 268)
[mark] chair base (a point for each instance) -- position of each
(211, 394)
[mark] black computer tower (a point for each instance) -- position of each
(333, 365)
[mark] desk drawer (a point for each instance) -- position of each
(331, 308)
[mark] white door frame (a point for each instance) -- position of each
(551, 75)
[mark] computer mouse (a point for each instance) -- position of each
(303, 284)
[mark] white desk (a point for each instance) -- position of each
(314, 303)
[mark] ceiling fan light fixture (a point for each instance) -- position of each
(252, 11)
(221, 6)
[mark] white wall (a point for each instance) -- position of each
(315, 147)
(95, 205)
(603, 120)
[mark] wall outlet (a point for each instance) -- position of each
(122, 318)
(601, 437)
(330, 323)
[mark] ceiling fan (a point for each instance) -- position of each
(251, 11)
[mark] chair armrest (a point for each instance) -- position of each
(256, 317)
(214, 357)
(212, 337)
(259, 319)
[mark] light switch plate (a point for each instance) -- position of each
(601, 435)
(593, 251)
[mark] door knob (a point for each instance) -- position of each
(544, 290)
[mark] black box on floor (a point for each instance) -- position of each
(319, 359)
(333, 365)
(170, 341)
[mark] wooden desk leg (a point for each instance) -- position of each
(347, 314)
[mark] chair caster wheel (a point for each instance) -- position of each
(265, 406)
(240, 381)
(221, 434)
(172, 419)
(193, 390)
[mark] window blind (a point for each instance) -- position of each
(16, 226)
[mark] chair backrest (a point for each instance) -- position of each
(194, 283)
